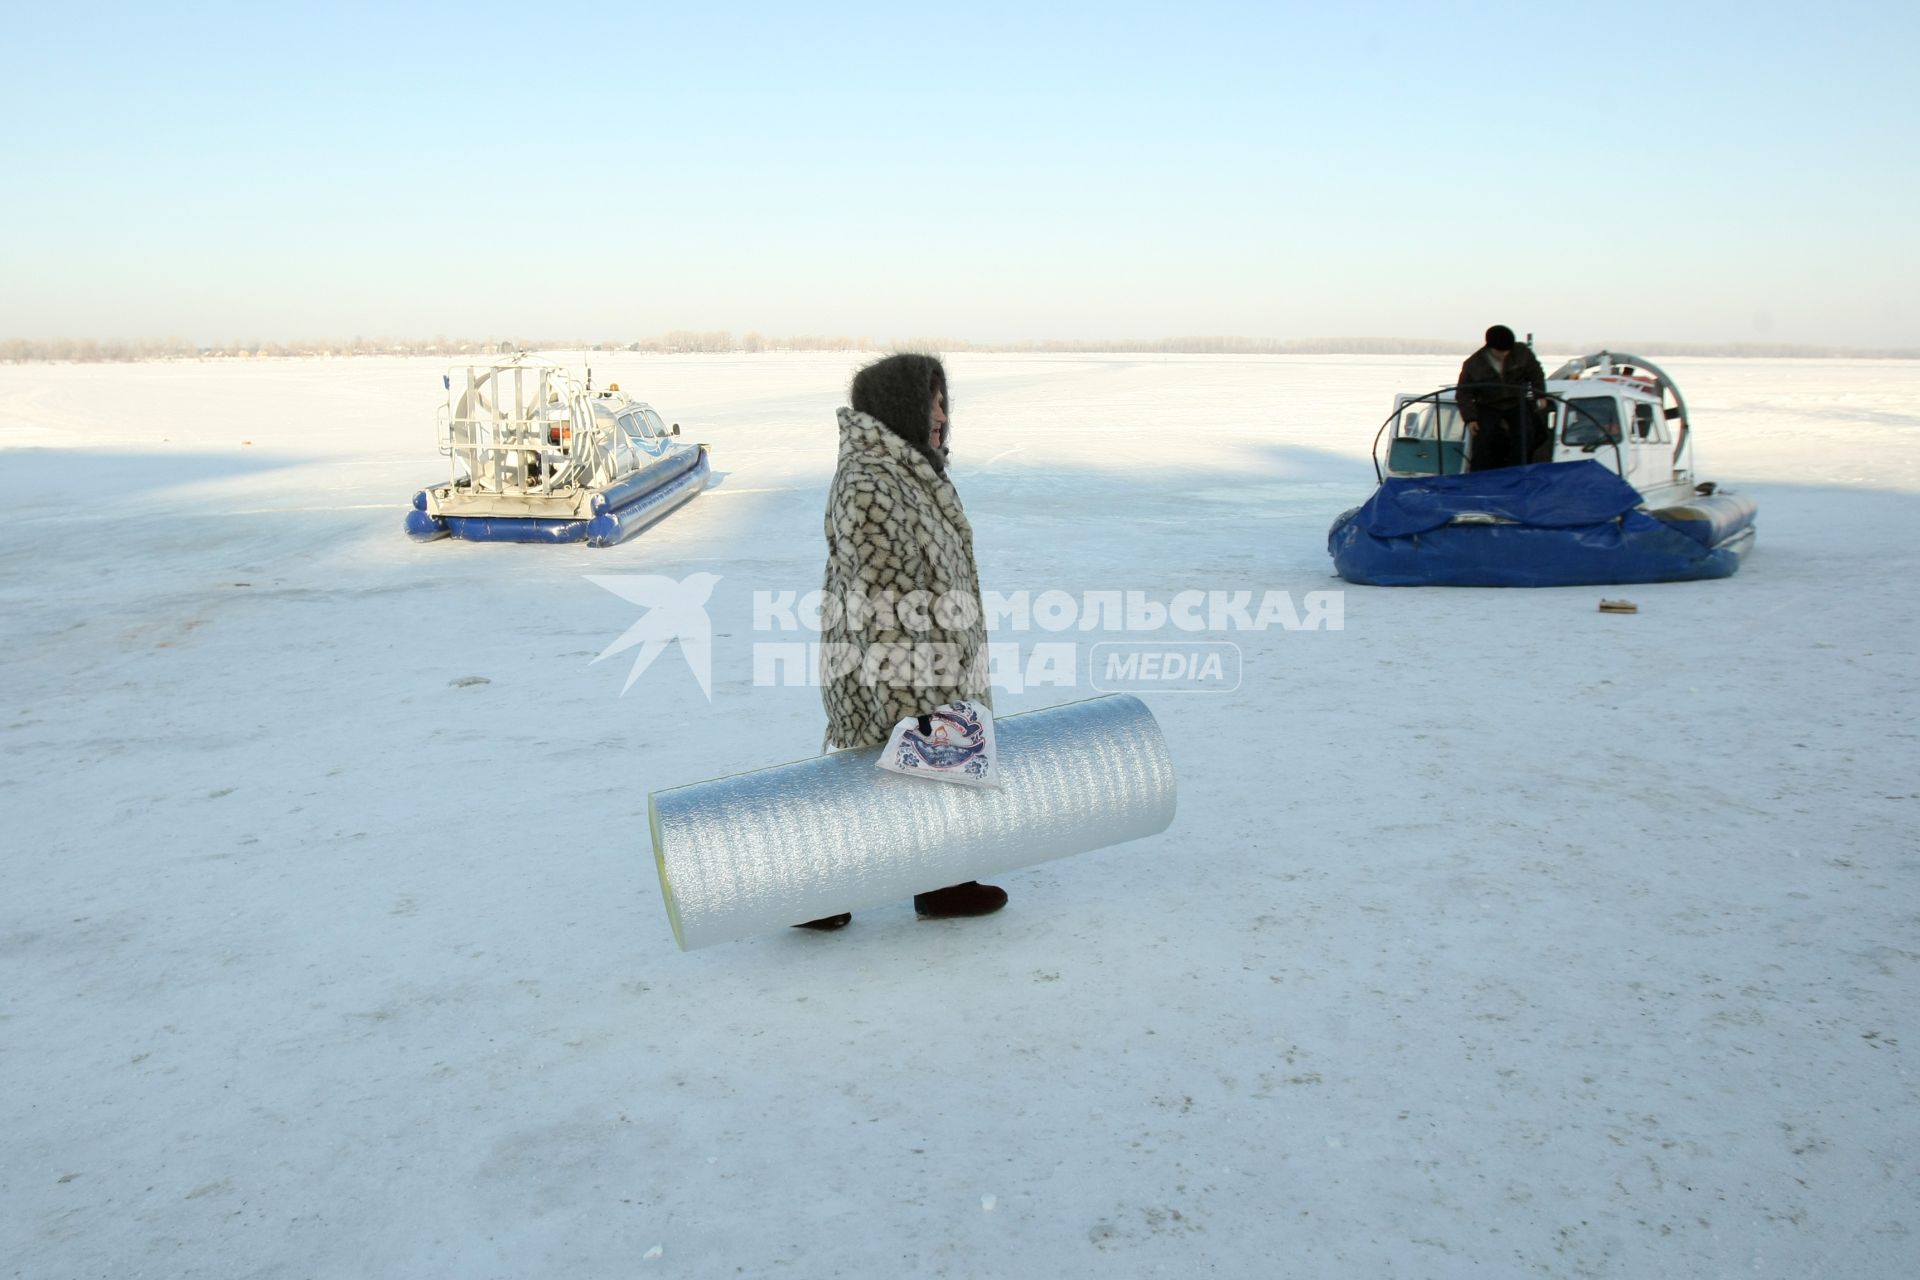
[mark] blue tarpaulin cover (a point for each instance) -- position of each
(1567, 524)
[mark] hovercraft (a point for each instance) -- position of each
(1607, 495)
(539, 456)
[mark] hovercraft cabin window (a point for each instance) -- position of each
(1434, 419)
(1591, 420)
(1647, 424)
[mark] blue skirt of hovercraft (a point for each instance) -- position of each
(1568, 524)
(623, 509)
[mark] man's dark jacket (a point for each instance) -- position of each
(1510, 388)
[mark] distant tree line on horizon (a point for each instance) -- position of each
(722, 341)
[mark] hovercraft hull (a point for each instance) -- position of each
(615, 513)
(1545, 525)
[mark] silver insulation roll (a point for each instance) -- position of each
(760, 851)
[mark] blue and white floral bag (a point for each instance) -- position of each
(955, 746)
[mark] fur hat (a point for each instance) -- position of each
(898, 391)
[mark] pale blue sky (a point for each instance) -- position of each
(1708, 172)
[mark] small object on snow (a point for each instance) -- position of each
(653, 1253)
(987, 1203)
(953, 743)
(467, 682)
(1619, 606)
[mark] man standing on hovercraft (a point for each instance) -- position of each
(1502, 398)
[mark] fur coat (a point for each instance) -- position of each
(903, 630)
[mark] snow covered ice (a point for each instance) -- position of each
(1495, 935)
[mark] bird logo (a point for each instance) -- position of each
(675, 610)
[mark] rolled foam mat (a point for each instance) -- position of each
(760, 851)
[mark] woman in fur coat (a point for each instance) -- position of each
(895, 529)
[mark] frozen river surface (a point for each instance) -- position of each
(1495, 935)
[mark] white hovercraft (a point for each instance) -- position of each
(539, 456)
(1608, 496)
